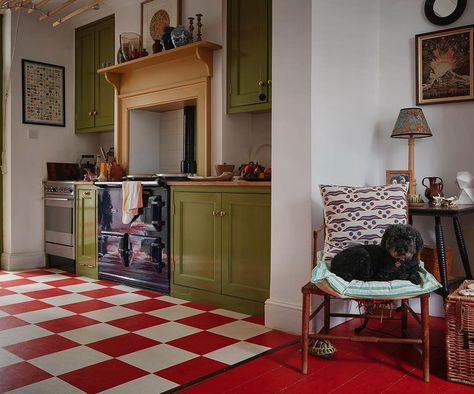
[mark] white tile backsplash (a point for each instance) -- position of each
(171, 141)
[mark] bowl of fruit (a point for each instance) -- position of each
(255, 172)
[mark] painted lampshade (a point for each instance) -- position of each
(411, 122)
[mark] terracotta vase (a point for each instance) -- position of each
(433, 188)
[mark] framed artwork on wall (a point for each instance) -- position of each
(444, 66)
(396, 177)
(43, 93)
(156, 14)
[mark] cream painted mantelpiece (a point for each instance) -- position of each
(162, 81)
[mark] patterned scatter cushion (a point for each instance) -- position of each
(359, 215)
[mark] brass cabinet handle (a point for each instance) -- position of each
(261, 83)
(215, 213)
(91, 113)
(222, 213)
(95, 112)
(269, 82)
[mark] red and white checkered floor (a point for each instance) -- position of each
(65, 334)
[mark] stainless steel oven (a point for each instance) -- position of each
(59, 219)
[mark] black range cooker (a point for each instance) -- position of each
(135, 253)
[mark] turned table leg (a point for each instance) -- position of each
(441, 251)
(462, 247)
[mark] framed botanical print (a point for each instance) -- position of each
(43, 93)
(444, 66)
(156, 14)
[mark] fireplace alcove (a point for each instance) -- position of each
(165, 80)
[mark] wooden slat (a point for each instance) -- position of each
(56, 10)
(78, 11)
(38, 6)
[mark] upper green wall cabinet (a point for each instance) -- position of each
(249, 46)
(94, 96)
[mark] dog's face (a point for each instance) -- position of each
(402, 241)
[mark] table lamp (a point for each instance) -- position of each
(411, 124)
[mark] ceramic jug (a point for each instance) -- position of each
(434, 188)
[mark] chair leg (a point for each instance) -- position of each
(305, 332)
(404, 325)
(327, 314)
(426, 337)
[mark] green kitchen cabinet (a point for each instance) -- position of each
(246, 245)
(94, 95)
(197, 246)
(248, 55)
(86, 231)
(221, 246)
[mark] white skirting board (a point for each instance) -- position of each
(22, 261)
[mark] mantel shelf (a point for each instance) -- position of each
(166, 56)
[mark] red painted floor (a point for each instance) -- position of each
(355, 368)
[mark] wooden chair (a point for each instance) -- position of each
(311, 289)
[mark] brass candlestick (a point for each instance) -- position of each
(199, 25)
(191, 27)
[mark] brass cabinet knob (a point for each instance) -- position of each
(91, 113)
(269, 82)
(261, 83)
(95, 113)
(222, 213)
(215, 213)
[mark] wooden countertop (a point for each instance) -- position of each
(221, 183)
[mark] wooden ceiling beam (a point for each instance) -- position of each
(56, 10)
(38, 6)
(78, 11)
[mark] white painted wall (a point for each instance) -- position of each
(291, 159)
(363, 72)
(25, 158)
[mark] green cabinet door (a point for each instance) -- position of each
(104, 91)
(246, 245)
(196, 240)
(94, 96)
(86, 231)
(85, 79)
(248, 56)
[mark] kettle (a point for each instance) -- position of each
(434, 188)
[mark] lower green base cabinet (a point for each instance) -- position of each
(221, 246)
(86, 231)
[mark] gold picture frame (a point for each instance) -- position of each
(444, 66)
(393, 177)
(158, 13)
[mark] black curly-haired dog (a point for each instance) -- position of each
(395, 258)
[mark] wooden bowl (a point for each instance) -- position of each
(221, 168)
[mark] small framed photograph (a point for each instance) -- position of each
(397, 177)
(444, 66)
(43, 93)
(156, 14)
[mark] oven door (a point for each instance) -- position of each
(59, 220)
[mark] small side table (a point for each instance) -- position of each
(438, 213)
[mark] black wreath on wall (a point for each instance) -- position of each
(433, 17)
